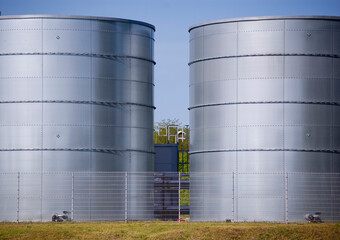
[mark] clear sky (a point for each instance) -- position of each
(172, 19)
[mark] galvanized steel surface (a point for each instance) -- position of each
(76, 94)
(264, 98)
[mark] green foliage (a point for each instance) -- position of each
(185, 197)
(169, 122)
(166, 130)
(183, 162)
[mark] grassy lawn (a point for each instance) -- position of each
(168, 230)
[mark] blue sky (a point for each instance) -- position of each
(172, 19)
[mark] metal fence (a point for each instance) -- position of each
(270, 197)
(125, 196)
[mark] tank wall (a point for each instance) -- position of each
(263, 100)
(76, 95)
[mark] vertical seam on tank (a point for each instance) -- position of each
(128, 165)
(283, 96)
(129, 168)
(332, 100)
(332, 123)
(42, 116)
(91, 94)
(236, 130)
(283, 119)
(91, 122)
(203, 124)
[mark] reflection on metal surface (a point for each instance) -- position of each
(264, 98)
(76, 94)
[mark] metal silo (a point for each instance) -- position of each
(76, 95)
(264, 102)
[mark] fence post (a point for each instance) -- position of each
(18, 198)
(286, 198)
(72, 204)
(233, 197)
(179, 197)
(332, 197)
(41, 195)
(126, 198)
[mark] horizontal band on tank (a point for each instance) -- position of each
(268, 55)
(101, 150)
(265, 196)
(245, 126)
(267, 102)
(78, 17)
(74, 125)
(106, 56)
(235, 79)
(196, 174)
(110, 104)
(267, 150)
(95, 78)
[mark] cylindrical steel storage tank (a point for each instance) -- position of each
(76, 95)
(264, 112)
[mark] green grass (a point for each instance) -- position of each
(168, 230)
(185, 197)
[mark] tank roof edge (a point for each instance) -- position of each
(78, 17)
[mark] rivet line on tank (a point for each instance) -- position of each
(267, 102)
(266, 125)
(312, 173)
(76, 30)
(260, 195)
(81, 102)
(75, 77)
(268, 55)
(18, 29)
(73, 125)
(113, 151)
(264, 30)
(106, 56)
(267, 150)
(193, 82)
(262, 173)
